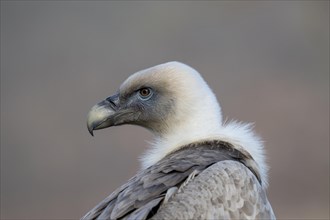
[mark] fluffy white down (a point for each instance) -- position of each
(201, 119)
(239, 134)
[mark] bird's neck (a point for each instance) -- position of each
(200, 123)
(189, 129)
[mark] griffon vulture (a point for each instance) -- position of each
(198, 167)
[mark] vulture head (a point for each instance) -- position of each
(166, 99)
(174, 102)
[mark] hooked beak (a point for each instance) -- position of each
(102, 114)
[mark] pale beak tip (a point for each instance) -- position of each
(98, 116)
(90, 129)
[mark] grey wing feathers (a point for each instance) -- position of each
(225, 190)
(142, 196)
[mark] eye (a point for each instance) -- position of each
(145, 93)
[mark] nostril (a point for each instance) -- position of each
(112, 101)
(113, 105)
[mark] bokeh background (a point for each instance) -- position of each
(267, 62)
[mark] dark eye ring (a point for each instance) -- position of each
(144, 93)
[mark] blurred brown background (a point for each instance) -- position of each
(268, 62)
